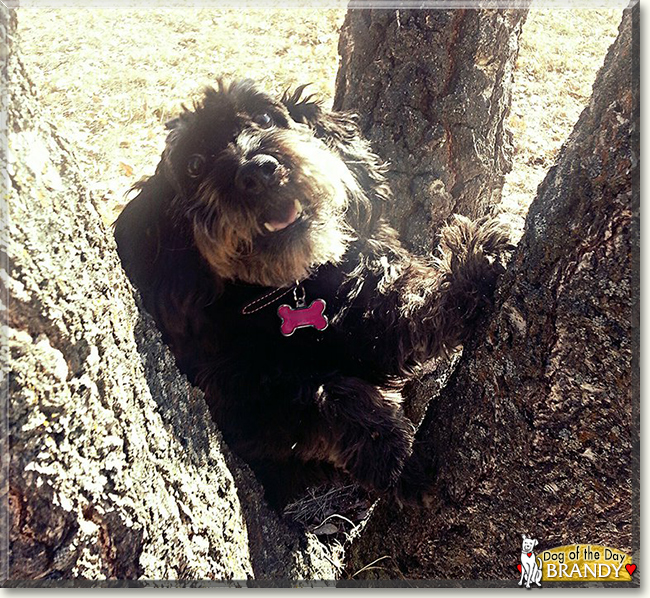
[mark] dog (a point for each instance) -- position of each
(531, 569)
(260, 249)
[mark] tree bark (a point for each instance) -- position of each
(433, 90)
(112, 469)
(537, 432)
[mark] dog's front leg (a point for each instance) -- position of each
(313, 417)
(361, 431)
(529, 575)
(427, 307)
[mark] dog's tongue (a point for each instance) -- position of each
(291, 216)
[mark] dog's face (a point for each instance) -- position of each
(265, 198)
(528, 544)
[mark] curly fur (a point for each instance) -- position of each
(300, 407)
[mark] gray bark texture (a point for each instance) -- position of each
(433, 90)
(115, 469)
(537, 430)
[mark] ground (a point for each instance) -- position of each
(110, 78)
(560, 52)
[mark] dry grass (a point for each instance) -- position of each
(335, 514)
(560, 53)
(110, 78)
(327, 510)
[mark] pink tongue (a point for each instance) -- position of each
(280, 224)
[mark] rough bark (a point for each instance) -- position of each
(433, 90)
(115, 469)
(537, 431)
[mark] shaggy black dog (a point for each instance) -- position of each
(260, 249)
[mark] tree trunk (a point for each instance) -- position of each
(115, 470)
(433, 90)
(538, 430)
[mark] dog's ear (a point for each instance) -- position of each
(137, 229)
(523, 536)
(536, 543)
(177, 127)
(158, 254)
(340, 131)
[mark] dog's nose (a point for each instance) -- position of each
(257, 174)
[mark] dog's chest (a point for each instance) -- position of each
(254, 320)
(276, 319)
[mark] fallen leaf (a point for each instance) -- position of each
(126, 169)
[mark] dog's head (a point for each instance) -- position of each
(528, 544)
(271, 189)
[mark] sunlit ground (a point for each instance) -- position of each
(560, 53)
(110, 78)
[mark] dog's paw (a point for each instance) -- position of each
(492, 236)
(378, 460)
(463, 238)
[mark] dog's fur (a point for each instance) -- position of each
(195, 243)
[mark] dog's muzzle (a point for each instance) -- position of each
(257, 175)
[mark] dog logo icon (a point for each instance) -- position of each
(531, 567)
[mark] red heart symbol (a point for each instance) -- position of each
(529, 553)
(519, 567)
(630, 569)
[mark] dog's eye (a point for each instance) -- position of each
(263, 120)
(195, 165)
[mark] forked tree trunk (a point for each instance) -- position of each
(433, 90)
(115, 470)
(538, 430)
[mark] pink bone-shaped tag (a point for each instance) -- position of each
(302, 317)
